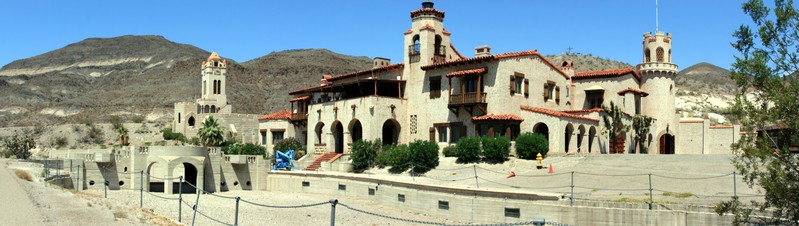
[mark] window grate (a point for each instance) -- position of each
(306, 183)
(371, 191)
(512, 212)
(401, 197)
(443, 205)
(342, 187)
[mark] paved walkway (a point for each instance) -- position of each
(16, 207)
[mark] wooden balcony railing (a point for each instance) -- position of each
(299, 116)
(467, 98)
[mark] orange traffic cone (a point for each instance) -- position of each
(551, 170)
(511, 174)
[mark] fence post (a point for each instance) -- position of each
(475, 176)
(571, 199)
(236, 221)
(105, 182)
(650, 191)
(180, 199)
(46, 171)
(141, 189)
(77, 180)
(58, 170)
(196, 202)
(734, 186)
(333, 203)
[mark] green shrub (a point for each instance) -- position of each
(423, 156)
(252, 149)
(528, 145)
(298, 154)
(195, 141)
(93, 135)
(496, 149)
(60, 142)
(289, 143)
(449, 151)
(137, 119)
(468, 149)
(116, 122)
(397, 157)
(364, 154)
(169, 135)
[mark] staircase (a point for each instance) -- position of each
(317, 162)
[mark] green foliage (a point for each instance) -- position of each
(496, 149)
(211, 134)
(449, 151)
(116, 122)
(397, 157)
(169, 135)
(612, 119)
(20, 146)
(641, 126)
(468, 149)
(364, 154)
(94, 135)
(122, 134)
(194, 140)
(766, 101)
(528, 145)
(289, 143)
(60, 142)
(423, 156)
(137, 119)
(245, 149)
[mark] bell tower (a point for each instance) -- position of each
(657, 78)
(214, 99)
(427, 41)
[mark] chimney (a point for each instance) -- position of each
(482, 51)
(380, 62)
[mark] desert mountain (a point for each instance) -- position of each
(143, 76)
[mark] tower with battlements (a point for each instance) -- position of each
(657, 78)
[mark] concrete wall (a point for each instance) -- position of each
(697, 136)
(482, 206)
(692, 138)
(719, 139)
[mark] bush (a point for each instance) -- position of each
(298, 154)
(449, 151)
(116, 122)
(468, 149)
(364, 154)
(169, 135)
(252, 149)
(528, 145)
(138, 119)
(289, 143)
(496, 149)
(60, 142)
(93, 135)
(397, 157)
(195, 141)
(423, 156)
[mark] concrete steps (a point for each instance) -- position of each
(317, 162)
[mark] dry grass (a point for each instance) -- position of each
(23, 174)
(120, 215)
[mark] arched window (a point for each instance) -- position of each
(416, 45)
(659, 53)
(669, 56)
(647, 57)
(439, 50)
(205, 84)
(178, 117)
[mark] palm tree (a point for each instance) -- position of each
(211, 134)
(122, 133)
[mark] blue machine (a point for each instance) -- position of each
(284, 161)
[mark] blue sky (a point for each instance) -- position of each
(243, 30)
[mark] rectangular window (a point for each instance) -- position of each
(342, 187)
(443, 205)
(594, 99)
(549, 90)
(512, 212)
(277, 136)
(400, 197)
(435, 87)
(518, 81)
(455, 133)
(442, 133)
(471, 85)
(263, 137)
(306, 183)
(371, 191)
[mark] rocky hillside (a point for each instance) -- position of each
(94, 79)
(705, 89)
(587, 62)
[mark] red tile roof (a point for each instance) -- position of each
(557, 113)
(692, 120)
(584, 110)
(466, 72)
(320, 87)
(503, 117)
(722, 127)
(456, 51)
(282, 114)
(369, 71)
(427, 11)
(444, 30)
(494, 57)
(300, 98)
(606, 73)
(408, 31)
(633, 90)
(427, 26)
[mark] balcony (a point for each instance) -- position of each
(469, 101)
(299, 116)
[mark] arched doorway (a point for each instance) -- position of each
(568, 136)
(591, 135)
(338, 136)
(356, 130)
(391, 131)
(152, 178)
(191, 121)
(318, 132)
(580, 136)
(542, 129)
(189, 173)
(667, 144)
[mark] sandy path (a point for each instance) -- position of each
(16, 207)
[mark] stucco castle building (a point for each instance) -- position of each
(438, 94)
